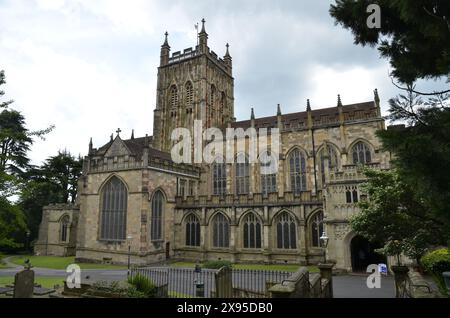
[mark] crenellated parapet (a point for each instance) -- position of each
(257, 199)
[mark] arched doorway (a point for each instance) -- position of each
(363, 254)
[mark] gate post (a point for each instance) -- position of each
(224, 283)
(400, 277)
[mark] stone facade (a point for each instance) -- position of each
(58, 230)
(197, 85)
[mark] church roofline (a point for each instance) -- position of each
(271, 121)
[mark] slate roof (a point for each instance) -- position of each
(136, 147)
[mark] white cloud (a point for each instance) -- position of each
(354, 84)
(90, 67)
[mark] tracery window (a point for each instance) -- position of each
(361, 153)
(297, 170)
(192, 231)
(252, 231)
(156, 229)
(114, 210)
(316, 229)
(221, 231)
(286, 231)
(242, 174)
(65, 221)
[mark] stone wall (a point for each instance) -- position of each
(50, 231)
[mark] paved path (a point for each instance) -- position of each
(354, 286)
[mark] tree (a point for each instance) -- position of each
(15, 142)
(394, 216)
(55, 181)
(12, 225)
(422, 150)
(414, 34)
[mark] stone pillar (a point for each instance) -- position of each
(400, 277)
(326, 272)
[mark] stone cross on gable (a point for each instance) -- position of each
(118, 131)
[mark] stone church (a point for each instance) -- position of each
(134, 199)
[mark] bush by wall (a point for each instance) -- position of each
(435, 263)
(141, 287)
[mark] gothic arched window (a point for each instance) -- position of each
(114, 210)
(286, 231)
(297, 171)
(268, 168)
(156, 229)
(219, 177)
(221, 231)
(332, 160)
(316, 229)
(192, 231)
(64, 228)
(189, 94)
(252, 231)
(361, 153)
(173, 96)
(242, 174)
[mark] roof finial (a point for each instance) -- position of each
(376, 97)
(90, 145)
(112, 137)
(308, 105)
(339, 101)
(118, 131)
(278, 110)
(203, 26)
(146, 141)
(166, 42)
(132, 134)
(227, 54)
(252, 115)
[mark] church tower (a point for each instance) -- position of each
(194, 84)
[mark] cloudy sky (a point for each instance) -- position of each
(89, 67)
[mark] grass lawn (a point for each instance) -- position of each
(56, 262)
(2, 265)
(272, 267)
(47, 282)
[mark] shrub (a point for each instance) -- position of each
(108, 289)
(216, 264)
(435, 263)
(142, 286)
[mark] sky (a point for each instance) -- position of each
(89, 67)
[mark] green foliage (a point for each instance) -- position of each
(217, 264)
(414, 34)
(437, 262)
(422, 153)
(108, 289)
(12, 225)
(53, 182)
(393, 216)
(142, 286)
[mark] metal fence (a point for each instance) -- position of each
(190, 283)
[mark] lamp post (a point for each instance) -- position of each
(27, 244)
(129, 240)
(324, 239)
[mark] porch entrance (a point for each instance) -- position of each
(363, 254)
